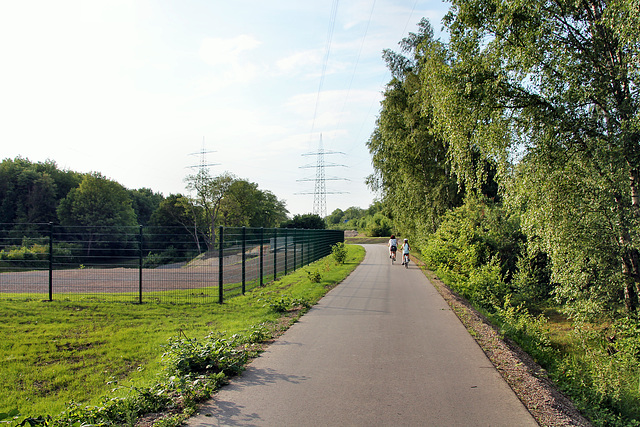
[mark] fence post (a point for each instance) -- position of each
(302, 264)
(140, 251)
(51, 261)
(295, 248)
(261, 256)
(286, 250)
(220, 265)
(244, 249)
(275, 253)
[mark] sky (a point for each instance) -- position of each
(138, 89)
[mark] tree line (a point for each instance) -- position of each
(510, 155)
(532, 110)
(40, 192)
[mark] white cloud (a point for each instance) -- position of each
(300, 61)
(218, 51)
(230, 66)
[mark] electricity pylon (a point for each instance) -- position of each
(203, 166)
(320, 192)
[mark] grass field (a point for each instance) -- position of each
(54, 353)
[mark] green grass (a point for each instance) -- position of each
(55, 353)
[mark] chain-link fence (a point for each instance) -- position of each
(142, 264)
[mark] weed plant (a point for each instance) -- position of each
(88, 363)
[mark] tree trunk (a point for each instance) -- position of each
(631, 282)
(630, 256)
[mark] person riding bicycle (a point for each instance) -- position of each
(405, 251)
(393, 246)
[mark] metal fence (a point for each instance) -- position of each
(143, 264)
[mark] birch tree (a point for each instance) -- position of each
(555, 89)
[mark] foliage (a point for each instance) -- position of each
(314, 276)
(97, 201)
(602, 371)
(530, 332)
(205, 205)
(30, 192)
(306, 221)
(25, 256)
(246, 205)
(177, 223)
(476, 247)
(213, 354)
(145, 202)
(553, 88)
(349, 218)
(226, 200)
(285, 303)
(339, 252)
(410, 160)
(377, 225)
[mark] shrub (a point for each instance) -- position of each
(214, 354)
(339, 252)
(314, 276)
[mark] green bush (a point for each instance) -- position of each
(213, 354)
(32, 256)
(476, 250)
(339, 252)
(285, 303)
(167, 256)
(377, 225)
(314, 276)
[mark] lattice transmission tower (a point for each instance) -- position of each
(203, 165)
(320, 192)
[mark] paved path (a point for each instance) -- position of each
(381, 349)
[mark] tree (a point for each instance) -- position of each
(173, 224)
(209, 192)
(270, 210)
(410, 160)
(144, 202)
(30, 192)
(335, 217)
(555, 86)
(306, 221)
(98, 204)
(246, 205)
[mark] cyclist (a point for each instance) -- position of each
(405, 252)
(393, 246)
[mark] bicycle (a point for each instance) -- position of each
(405, 260)
(393, 257)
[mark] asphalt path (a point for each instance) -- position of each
(381, 349)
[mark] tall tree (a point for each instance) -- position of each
(209, 192)
(554, 85)
(144, 202)
(98, 205)
(30, 192)
(176, 218)
(410, 160)
(306, 221)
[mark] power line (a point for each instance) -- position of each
(332, 24)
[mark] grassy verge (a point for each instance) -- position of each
(65, 356)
